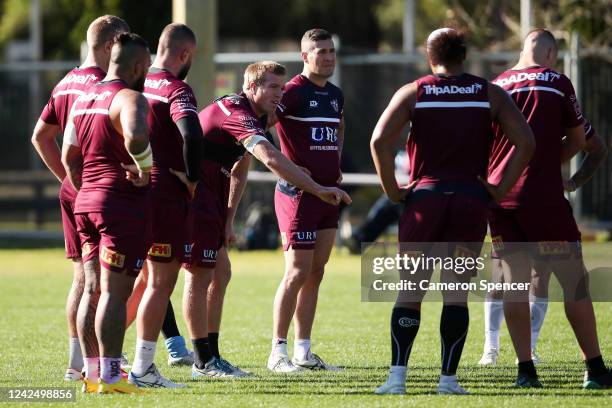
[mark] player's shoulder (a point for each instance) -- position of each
(162, 82)
(80, 77)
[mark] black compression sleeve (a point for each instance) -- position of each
(193, 145)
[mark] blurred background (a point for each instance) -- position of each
(380, 48)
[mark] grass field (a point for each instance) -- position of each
(33, 344)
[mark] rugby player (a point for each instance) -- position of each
(233, 126)
(176, 143)
(451, 113)
(595, 153)
(52, 121)
(107, 131)
(311, 132)
(536, 210)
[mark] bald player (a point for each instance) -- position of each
(536, 210)
(311, 132)
(595, 153)
(176, 142)
(451, 113)
(52, 121)
(107, 132)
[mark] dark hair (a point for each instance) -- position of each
(316, 34)
(447, 48)
(130, 39)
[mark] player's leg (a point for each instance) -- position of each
(538, 303)
(134, 300)
(307, 303)
(178, 353)
(151, 311)
(216, 296)
(493, 317)
(75, 356)
(298, 264)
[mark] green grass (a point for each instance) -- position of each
(33, 344)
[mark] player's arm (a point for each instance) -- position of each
(193, 149)
(238, 182)
(71, 157)
(596, 152)
(43, 139)
(128, 114)
(385, 137)
(572, 143)
(263, 151)
(518, 132)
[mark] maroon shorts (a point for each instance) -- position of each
(120, 239)
(545, 225)
(71, 235)
(440, 217)
(169, 228)
(300, 215)
(206, 220)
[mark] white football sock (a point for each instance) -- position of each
(538, 307)
(398, 374)
(301, 349)
(493, 316)
(279, 346)
(92, 368)
(145, 354)
(75, 356)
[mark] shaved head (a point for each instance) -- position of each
(175, 37)
(104, 29)
(540, 47)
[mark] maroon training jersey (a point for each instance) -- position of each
(451, 130)
(548, 102)
(105, 187)
(170, 100)
(225, 123)
(56, 111)
(308, 120)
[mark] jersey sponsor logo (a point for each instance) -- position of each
(498, 243)
(321, 93)
(334, 104)
(92, 96)
(324, 133)
(187, 249)
(452, 89)
(78, 79)
(554, 248)
(313, 104)
(408, 322)
(209, 254)
(305, 235)
(112, 258)
(527, 76)
(161, 250)
(156, 84)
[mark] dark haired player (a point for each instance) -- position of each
(451, 113)
(53, 120)
(536, 210)
(311, 132)
(107, 131)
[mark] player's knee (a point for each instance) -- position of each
(295, 278)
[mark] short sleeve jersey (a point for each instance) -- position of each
(308, 121)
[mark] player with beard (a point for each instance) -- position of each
(451, 114)
(52, 121)
(176, 142)
(233, 126)
(106, 133)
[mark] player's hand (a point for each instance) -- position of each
(402, 192)
(182, 176)
(334, 196)
(230, 237)
(494, 190)
(339, 179)
(569, 185)
(135, 175)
